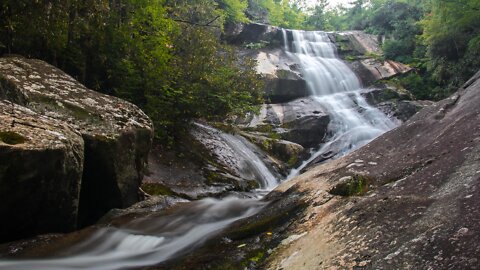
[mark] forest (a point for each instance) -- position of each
(169, 57)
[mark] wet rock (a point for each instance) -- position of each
(283, 79)
(117, 135)
(308, 131)
(382, 93)
(288, 152)
(301, 121)
(417, 173)
(234, 155)
(356, 42)
(403, 109)
(285, 87)
(41, 161)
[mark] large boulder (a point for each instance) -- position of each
(301, 121)
(283, 79)
(41, 161)
(394, 102)
(253, 33)
(116, 133)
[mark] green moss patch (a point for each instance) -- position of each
(354, 185)
(156, 189)
(11, 138)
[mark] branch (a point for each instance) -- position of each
(208, 24)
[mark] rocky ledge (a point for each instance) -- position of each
(101, 146)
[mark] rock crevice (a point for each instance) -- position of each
(115, 137)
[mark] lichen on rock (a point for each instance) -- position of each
(117, 135)
(41, 161)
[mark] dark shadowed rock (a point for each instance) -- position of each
(117, 134)
(254, 33)
(394, 102)
(41, 162)
(421, 208)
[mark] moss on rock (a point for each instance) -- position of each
(351, 186)
(11, 138)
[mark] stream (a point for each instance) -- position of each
(159, 237)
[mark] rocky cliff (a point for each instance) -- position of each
(90, 149)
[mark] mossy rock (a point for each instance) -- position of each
(11, 138)
(351, 186)
(156, 189)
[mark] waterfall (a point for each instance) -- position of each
(337, 90)
(155, 238)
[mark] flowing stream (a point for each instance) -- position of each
(158, 237)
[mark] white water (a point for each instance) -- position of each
(156, 238)
(149, 240)
(250, 165)
(336, 88)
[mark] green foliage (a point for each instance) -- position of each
(439, 38)
(235, 10)
(452, 35)
(283, 13)
(258, 45)
(163, 55)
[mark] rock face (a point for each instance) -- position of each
(116, 134)
(283, 79)
(409, 198)
(365, 50)
(394, 102)
(253, 33)
(41, 161)
(300, 121)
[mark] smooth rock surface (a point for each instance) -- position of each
(41, 161)
(421, 208)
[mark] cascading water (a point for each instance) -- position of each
(243, 156)
(337, 90)
(149, 240)
(156, 238)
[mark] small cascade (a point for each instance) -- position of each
(149, 240)
(242, 155)
(336, 89)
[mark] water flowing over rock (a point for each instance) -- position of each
(237, 154)
(337, 91)
(116, 134)
(418, 207)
